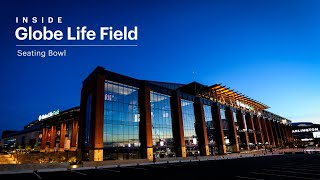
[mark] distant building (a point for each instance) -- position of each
(54, 131)
(306, 133)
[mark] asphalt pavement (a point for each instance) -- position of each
(284, 166)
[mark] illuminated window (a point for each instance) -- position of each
(188, 118)
(121, 116)
(161, 119)
(209, 124)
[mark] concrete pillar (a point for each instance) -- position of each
(81, 123)
(270, 132)
(258, 131)
(215, 109)
(243, 130)
(291, 135)
(282, 127)
(232, 130)
(288, 131)
(177, 125)
(278, 128)
(44, 139)
(264, 130)
(62, 136)
(96, 127)
(73, 144)
(145, 125)
(52, 138)
(200, 126)
(250, 125)
(275, 133)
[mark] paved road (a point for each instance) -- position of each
(290, 166)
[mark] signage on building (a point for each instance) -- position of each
(246, 106)
(242, 130)
(284, 121)
(49, 114)
(305, 130)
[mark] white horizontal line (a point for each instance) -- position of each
(243, 177)
(76, 45)
(290, 172)
(280, 175)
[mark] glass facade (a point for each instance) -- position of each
(235, 118)
(124, 135)
(244, 121)
(225, 126)
(121, 121)
(190, 135)
(88, 120)
(250, 131)
(68, 135)
(210, 129)
(162, 136)
(69, 130)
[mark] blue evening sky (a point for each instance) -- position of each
(268, 50)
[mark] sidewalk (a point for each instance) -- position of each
(50, 167)
(7, 159)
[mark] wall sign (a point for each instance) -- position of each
(49, 114)
(305, 130)
(246, 106)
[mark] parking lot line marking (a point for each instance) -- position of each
(135, 168)
(243, 177)
(110, 170)
(193, 164)
(176, 165)
(290, 172)
(280, 175)
(301, 165)
(299, 169)
(37, 175)
(159, 166)
(78, 172)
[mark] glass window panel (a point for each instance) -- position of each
(235, 117)
(188, 122)
(209, 124)
(161, 121)
(121, 109)
(225, 123)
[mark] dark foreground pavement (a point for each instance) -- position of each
(288, 166)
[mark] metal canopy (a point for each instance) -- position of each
(224, 95)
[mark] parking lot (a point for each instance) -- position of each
(288, 166)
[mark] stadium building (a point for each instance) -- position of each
(126, 118)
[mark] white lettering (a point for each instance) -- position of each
(133, 34)
(244, 105)
(23, 33)
(305, 130)
(44, 116)
(103, 33)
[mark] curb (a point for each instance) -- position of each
(52, 170)
(16, 172)
(137, 164)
